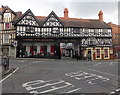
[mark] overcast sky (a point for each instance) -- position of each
(86, 9)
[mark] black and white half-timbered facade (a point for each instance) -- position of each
(39, 36)
(7, 31)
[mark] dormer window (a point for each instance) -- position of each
(7, 17)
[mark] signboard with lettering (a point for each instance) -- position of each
(44, 40)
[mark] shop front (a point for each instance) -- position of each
(36, 49)
(98, 53)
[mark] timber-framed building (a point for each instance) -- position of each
(8, 31)
(40, 36)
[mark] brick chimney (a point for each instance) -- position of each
(65, 13)
(100, 15)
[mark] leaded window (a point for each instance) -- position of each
(105, 32)
(30, 30)
(55, 31)
(6, 38)
(86, 32)
(76, 30)
(7, 25)
(97, 32)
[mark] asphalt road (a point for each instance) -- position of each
(64, 75)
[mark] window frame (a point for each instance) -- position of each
(6, 38)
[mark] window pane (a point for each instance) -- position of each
(7, 25)
(98, 53)
(106, 53)
(6, 38)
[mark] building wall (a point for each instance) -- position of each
(116, 39)
(7, 34)
(115, 33)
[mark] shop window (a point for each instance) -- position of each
(33, 50)
(22, 51)
(52, 50)
(43, 50)
(106, 53)
(97, 53)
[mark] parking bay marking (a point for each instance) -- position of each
(51, 85)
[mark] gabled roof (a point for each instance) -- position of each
(4, 8)
(52, 13)
(18, 14)
(68, 22)
(22, 16)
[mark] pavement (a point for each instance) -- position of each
(64, 75)
(7, 72)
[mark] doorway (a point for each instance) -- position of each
(90, 54)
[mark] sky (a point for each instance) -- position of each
(86, 9)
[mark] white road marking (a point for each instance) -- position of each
(103, 73)
(22, 61)
(33, 92)
(32, 83)
(9, 75)
(112, 92)
(73, 90)
(111, 63)
(37, 62)
(117, 89)
(89, 77)
(97, 64)
(30, 88)
(60, 84)
(55, 88)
